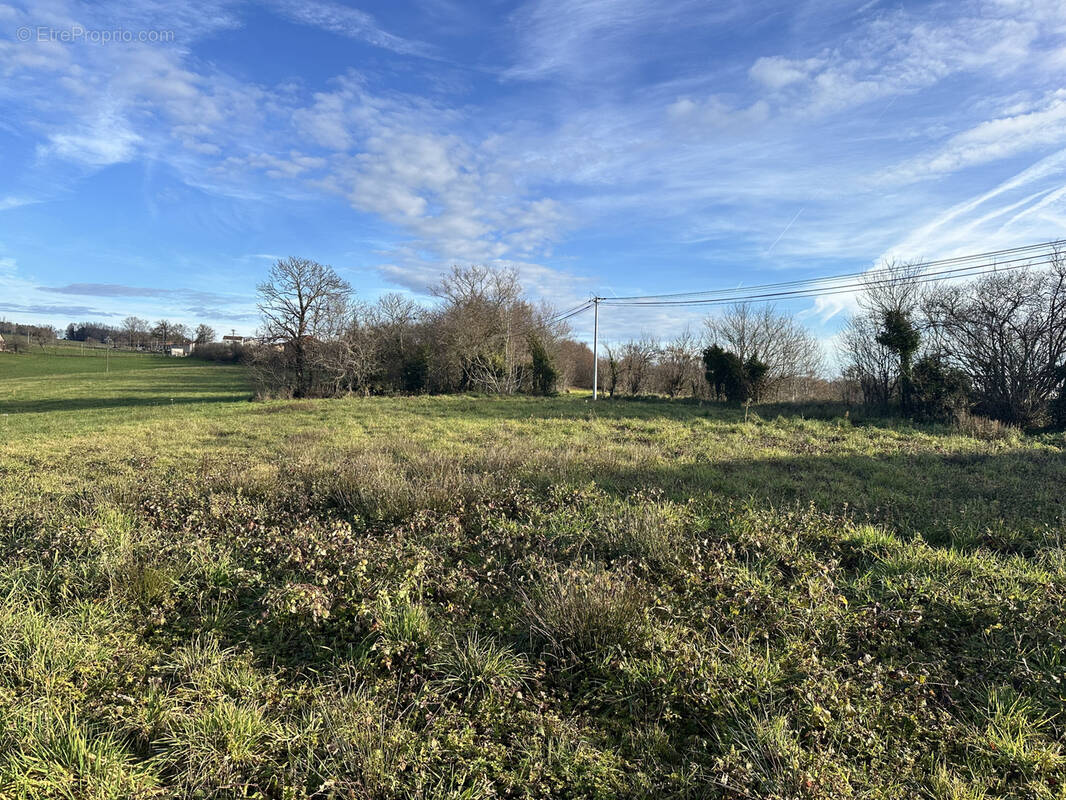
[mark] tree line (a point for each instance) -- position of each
(747, 352)
(135, 332)
(484, 335)
(22, 336)
(994, 346)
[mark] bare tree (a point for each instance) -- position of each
(894, 287)
(791, 353)
(302, 301)
(679, 364)
(348, 362)
(637, 360)
(1007, 332)
(868, 364)
(575, 364)
(134, 329)
(397, 322)
(481, 331)
(478, 326)
(163, 331)
(891, 292)
(179, 333)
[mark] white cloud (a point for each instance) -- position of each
(406, 161)
(904, 51)
(585, 40)
(288, 166)
(448, 197)
(555, 33)
(976, 224)
(776, 72)
(104, 141)
(716, 113)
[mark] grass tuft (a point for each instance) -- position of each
(476, 667)
(586, 609)
(48, 753)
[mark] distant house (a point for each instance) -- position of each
(233, 340)
(179, 350)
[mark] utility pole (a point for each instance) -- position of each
(595, 348)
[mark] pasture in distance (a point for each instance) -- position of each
(527, 597)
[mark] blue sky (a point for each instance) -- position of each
(607, 146)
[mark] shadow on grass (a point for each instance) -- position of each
(1011, 501)
(124, 391)
(99, 403)
(580, 407)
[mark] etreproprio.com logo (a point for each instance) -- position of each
(78, 33)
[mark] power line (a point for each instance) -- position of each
(828, 286)
(959, 264)
(893, 269)
(1025, 257)
(555, 319)
(574, 311)
(819, 291)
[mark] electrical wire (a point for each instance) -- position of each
(991, 262)
(820, 287)
(1018, 254)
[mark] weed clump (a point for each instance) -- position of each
(586, 609)
(644, 527)
(990, 430)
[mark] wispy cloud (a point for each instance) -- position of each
(47, 310)
(100, 142)
(586, 40)
(1037, 126)
(11, 201)
(1025, 208)
(121, 290)
(349, 22)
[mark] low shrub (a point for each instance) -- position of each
(938, 392)
(643, 528)
(1057, 410)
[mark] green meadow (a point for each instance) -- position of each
(202, 595)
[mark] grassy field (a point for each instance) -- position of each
(203, 596)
